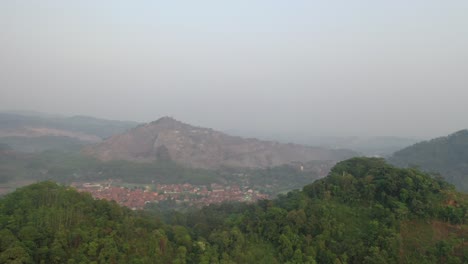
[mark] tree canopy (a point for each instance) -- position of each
(447, 156)
(365, 211)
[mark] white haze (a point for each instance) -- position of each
(335, 68)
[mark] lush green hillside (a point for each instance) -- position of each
(46, 223)
(446, 155)
(365, 211)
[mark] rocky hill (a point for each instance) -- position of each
(199, 147)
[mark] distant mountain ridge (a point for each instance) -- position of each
(200, 147)
(36, 132)
(445, 155)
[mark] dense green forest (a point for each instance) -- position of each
(365, 211)
(445, 155)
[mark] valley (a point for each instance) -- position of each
(364, 211)
(165, 152)
(233, 132)
(144, 201)
(169, 196)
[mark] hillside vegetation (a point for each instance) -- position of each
(365, 211)
(447, 156)
(67, 167)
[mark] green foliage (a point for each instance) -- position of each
(276, 180)
(371, 181)
(48, 223)
(365, 211)
(69, 166)
(447, 156)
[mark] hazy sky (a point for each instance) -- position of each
(365, 67)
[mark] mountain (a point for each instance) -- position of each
(364, 211)
(445, 155)
(373, 212)
(380, 146)
(376, 146)
(199, 147)
(371, 146)
(34, 132)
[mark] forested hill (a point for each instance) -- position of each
(365, 211)
(445, 155)
(47, 223)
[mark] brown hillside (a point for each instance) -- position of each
(199, 147)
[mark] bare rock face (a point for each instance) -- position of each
(198, 147)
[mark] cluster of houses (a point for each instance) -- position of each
(192, 195)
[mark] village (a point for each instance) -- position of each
(137, 197)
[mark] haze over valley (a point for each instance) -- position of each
(222, 132)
